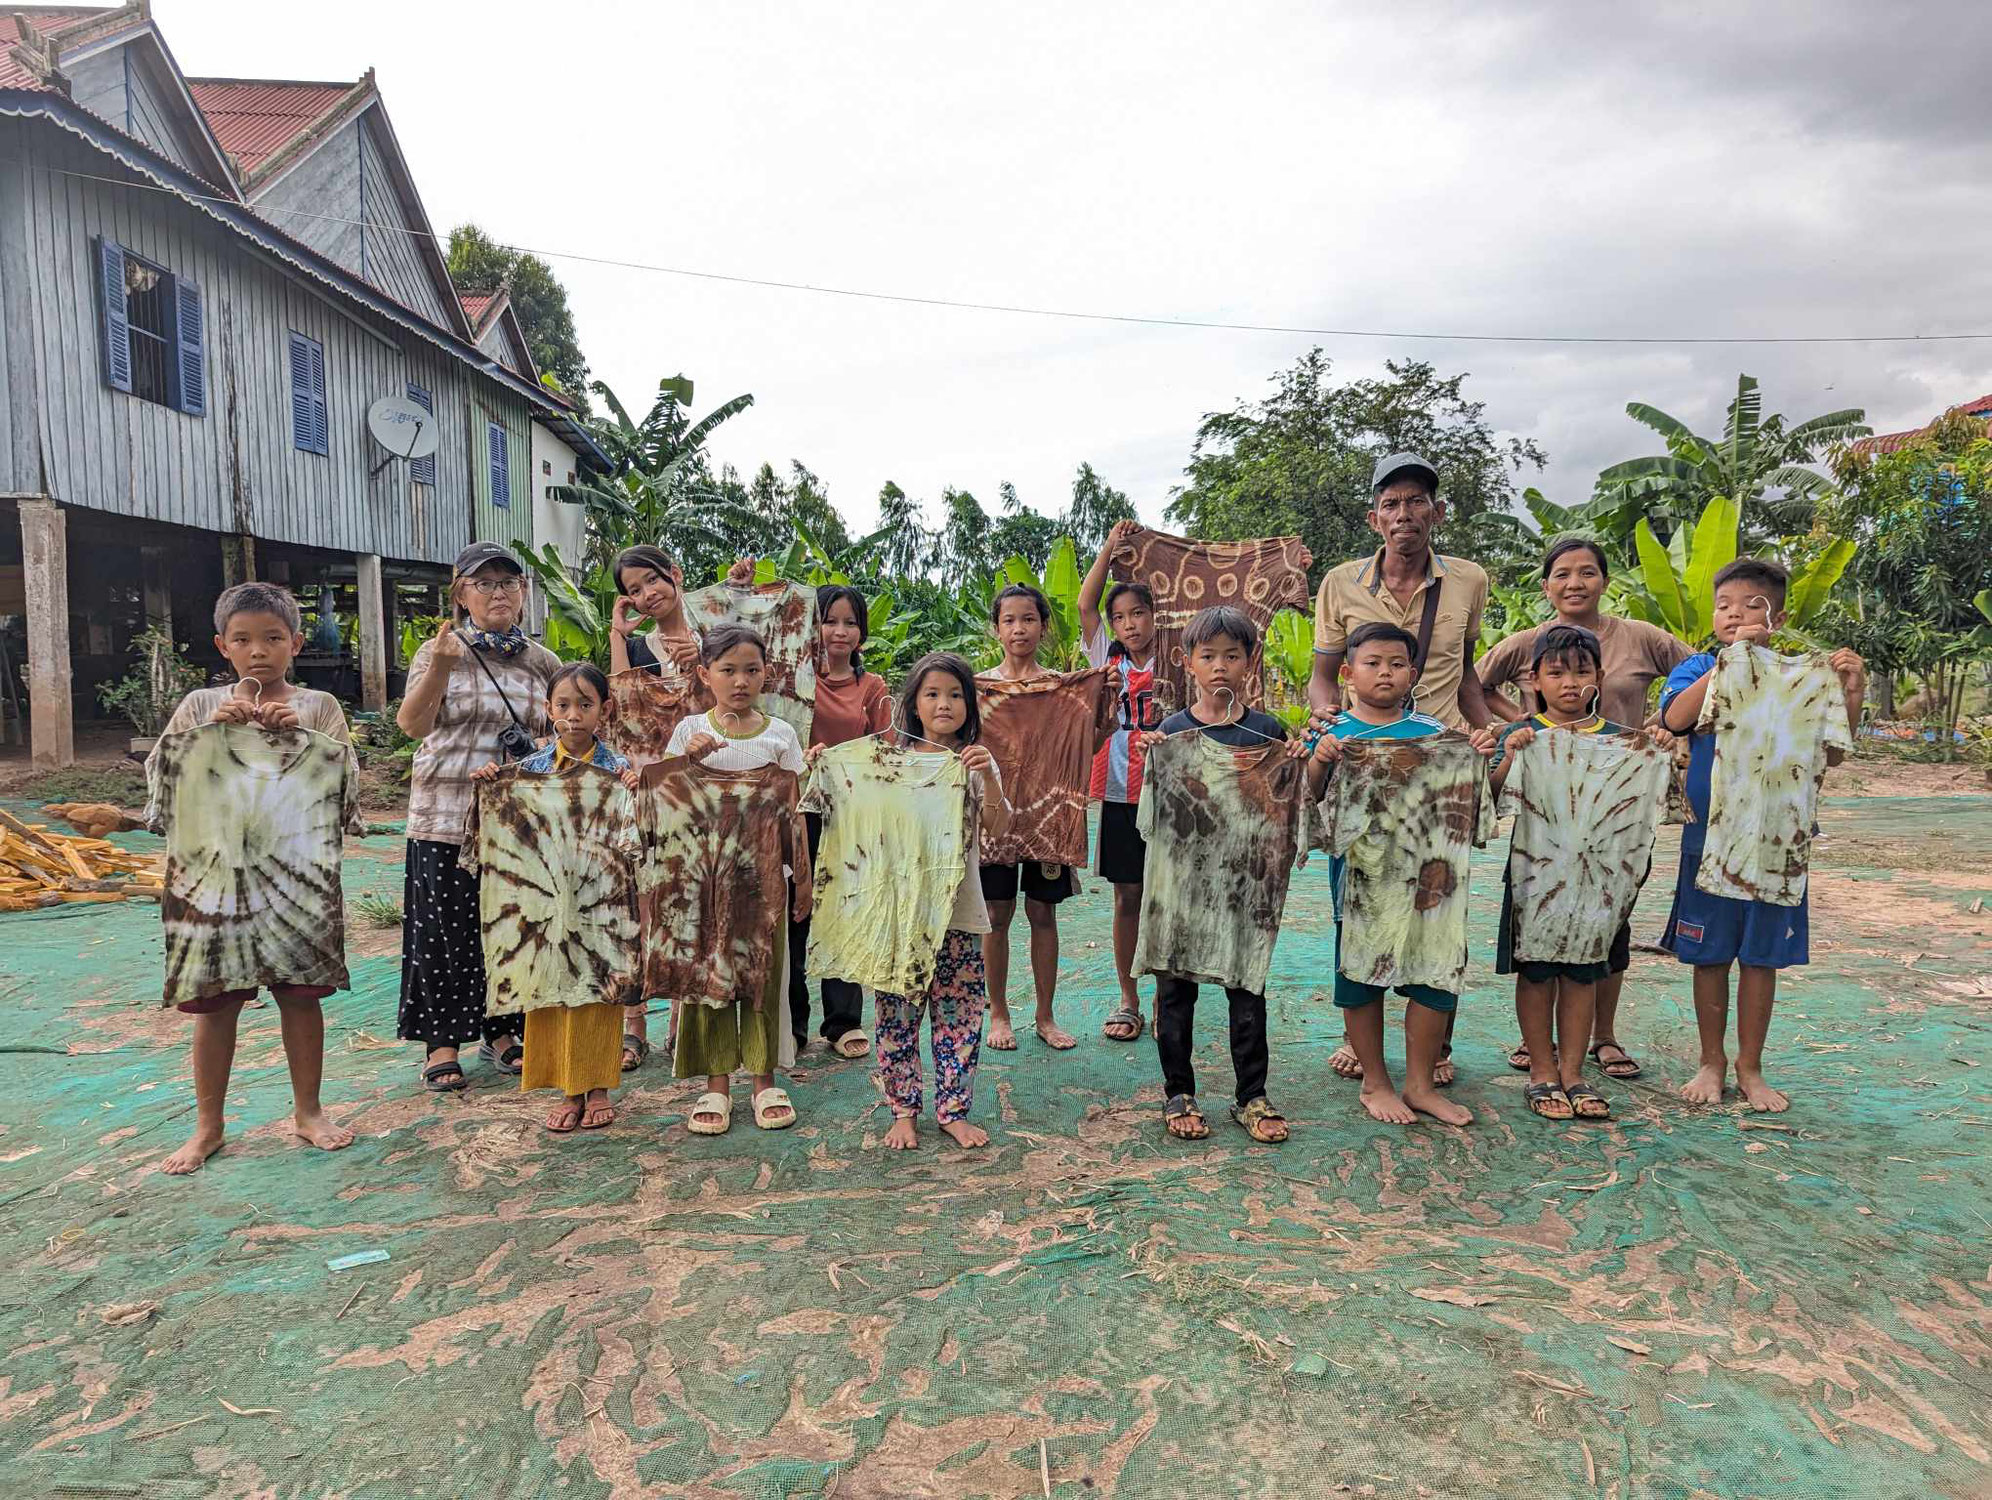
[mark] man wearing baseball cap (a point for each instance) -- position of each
(1405, 583)
(1439, 600)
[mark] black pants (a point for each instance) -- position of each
(1175, 1031)
(843, 1002)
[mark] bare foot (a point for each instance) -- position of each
(1055, 1036)
(1344, 1063)
(1706, 1086)
(315, 1130)
(191, 1157)
(1001, 1038)
(1759, 1095)
(904, 1135)
(1383, 1104)
(1443, 1072)
(1431, 1102)
(965, 1135)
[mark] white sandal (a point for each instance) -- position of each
(769, 1099)
(864, 1045)
(711, 1104)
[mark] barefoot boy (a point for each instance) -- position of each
(1378, 671)
(257, 628)
(1759, 936)
(1129, 609)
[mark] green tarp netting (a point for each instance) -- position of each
(1681, 1303)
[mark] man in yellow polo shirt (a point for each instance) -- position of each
(1405, 583)
(1439, 600)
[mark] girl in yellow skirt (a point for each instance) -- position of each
(577, 1048)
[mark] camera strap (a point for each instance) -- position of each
(478, 657)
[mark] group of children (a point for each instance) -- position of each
(937, 716)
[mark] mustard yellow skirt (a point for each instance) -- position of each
(573, 1048)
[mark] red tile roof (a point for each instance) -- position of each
(1892, 442)
(474, 304)
(17, 26)
(256, 118)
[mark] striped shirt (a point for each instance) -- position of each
(465, 737)
(1117, 764)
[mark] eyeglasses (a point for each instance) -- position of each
(490, 586)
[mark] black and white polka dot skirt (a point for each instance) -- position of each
(442, 954)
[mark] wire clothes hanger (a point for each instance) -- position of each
(894, 727)
(1238, 723)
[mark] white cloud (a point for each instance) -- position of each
(1560, 168)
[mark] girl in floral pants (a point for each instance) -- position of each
(954, 1002)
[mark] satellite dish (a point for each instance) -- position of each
(404, 429)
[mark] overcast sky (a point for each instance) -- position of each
(1708, 169)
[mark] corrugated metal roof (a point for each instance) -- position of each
(255, 118)
(1892, 442)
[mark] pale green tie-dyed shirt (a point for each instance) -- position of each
(1774, 719)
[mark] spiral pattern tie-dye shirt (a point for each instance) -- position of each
(252, 895)
(1405, 815)
(1774, 718)
(555, 852)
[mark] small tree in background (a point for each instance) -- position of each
(479, 264)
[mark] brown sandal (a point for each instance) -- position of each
(1182, 1112)
(1262, 1122)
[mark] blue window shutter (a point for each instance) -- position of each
(422, 470)
(115, 330)
(188, 375)
(300, 374)
(321, 436)
(501, 465)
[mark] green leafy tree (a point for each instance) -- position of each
(1758, 462)
(1918, 522)
(1300, 460)
(1676, 585)
(961, 549)
(903, 552)
(479, 264)
(1095, 506)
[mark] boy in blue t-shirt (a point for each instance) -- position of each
(1714, 932)
(1378, 669)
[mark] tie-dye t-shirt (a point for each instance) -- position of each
(785, 616)
(1222, 826)
(555, 852)
(1756, 759)
(1406, 814)
(1041, 732)
(252, 895)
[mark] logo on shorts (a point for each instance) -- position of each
(1692, 931)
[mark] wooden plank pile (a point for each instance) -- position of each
(39, 868)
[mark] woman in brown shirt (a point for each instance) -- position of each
(850, 704)
(1636, 654)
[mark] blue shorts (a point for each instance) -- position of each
(1705, 929)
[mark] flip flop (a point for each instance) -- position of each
(711, 1104)
(635, 1050)
(1622, 1067)
(566, 1111)
(1344, 1063)
(598, 1116)
(1126, 1016)
(768, 1100)
(1445, 1061)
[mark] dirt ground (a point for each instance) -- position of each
(1680, 1303)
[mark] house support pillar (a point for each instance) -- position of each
(373, 633)
(238, 560)
(157, 578)
(45, 559)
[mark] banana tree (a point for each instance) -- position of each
(1676, 579)
(1757, 462)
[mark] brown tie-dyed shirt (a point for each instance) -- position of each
(1042, 733)
(252, 895)
(643, 708)
(785, 615)
(1222, 830)
(556, 855)
(1260, 577)
(716, 845)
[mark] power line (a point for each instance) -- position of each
(910, 299)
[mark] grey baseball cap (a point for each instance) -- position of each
(477, 554)
(1389, 468)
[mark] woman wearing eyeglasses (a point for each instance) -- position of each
(478, 688)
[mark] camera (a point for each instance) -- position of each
(515, 743)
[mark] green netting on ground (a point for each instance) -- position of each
(1677, 1304)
